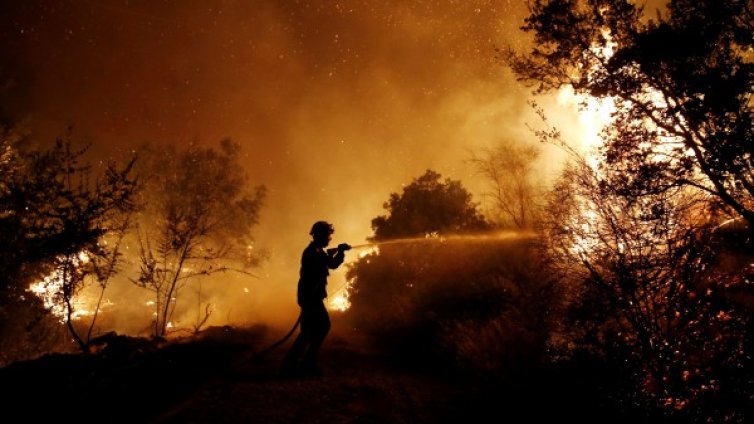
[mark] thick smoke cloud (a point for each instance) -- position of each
(336, 103)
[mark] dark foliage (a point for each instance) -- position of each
(428, 205)
(54, 208)
(682, 83)
(638, 235)
(129, 379)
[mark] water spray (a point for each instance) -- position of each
(434, 237)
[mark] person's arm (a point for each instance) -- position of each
(337, 256)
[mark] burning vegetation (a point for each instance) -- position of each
(621, 287)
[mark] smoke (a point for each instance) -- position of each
(335, 103)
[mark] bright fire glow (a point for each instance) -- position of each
(340, 302)
(370, 250)
(594, 114)
(49, 288)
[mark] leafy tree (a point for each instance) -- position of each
(197, 221)
(682, 85)
(53, 213)
(508, 168)
(428, 205)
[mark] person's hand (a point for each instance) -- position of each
(344, 246)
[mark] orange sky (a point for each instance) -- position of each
(336, 103)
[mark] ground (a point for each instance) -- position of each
(218, 378)
(357, 386)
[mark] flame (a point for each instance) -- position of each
(49, 288)
(340, 301)
(369, 250)
(594, 115)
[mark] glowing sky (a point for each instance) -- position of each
(336, 103)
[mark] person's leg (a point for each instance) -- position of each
(321, 326)
(291, 361)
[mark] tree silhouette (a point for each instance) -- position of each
(54, 213)
(428, 205)
(641, 228)
(197, 221)
(508, 169)
(654, 276)
(682, 85)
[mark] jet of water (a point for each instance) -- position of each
(500, 235)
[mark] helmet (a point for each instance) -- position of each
(321, 228)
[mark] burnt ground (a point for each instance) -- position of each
(217, 378)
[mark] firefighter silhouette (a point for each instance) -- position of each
(316, 263)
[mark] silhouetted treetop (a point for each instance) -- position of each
(428, 205)
(681, 82)
(53, 205)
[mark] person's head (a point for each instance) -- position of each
(321, 233)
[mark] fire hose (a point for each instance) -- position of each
(281, 341)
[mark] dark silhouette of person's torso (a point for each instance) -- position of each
(316, 263)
